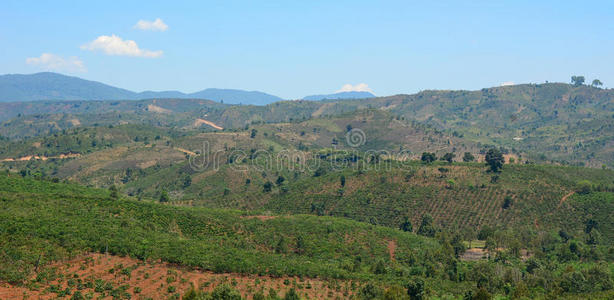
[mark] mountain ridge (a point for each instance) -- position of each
(50, 86)
(340, 95)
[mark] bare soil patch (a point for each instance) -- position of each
(199, 122)
(565, 198)
(143, 280)
(392, 247)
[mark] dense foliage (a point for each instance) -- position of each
(43, 221)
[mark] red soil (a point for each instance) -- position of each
(392, 247)
(153, 280)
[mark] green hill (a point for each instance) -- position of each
(550, 122)
(50, 221)
(42, 222)
(305, 173)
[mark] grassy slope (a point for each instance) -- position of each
(53, 220)
(556, 121)
(462, 197)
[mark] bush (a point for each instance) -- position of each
(584, 187)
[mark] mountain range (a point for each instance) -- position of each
(48, 86)
(340, 95)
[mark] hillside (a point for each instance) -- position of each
(383, 179)
(553, 122)
(340, 95)
(44, 223)
(48, 221)
(108, 150)
(290, 207)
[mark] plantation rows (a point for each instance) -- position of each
(457, 197)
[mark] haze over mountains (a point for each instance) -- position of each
(340, 95)
(57, 87)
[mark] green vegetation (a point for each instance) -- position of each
(284, 190)
(43, 221)
(552, 122)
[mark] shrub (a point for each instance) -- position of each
(584, 187)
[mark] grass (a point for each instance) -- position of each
(56, 220)
(475, 244)
(42, 222)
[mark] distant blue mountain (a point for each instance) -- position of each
(53, 86)
(341, 95)
(236, 96)
(163, 94)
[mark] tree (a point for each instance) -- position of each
(494, 159)
(257, 296)
(597, 83)
(319, 172)
(507, 202)
(282, 246)
(486, 232)
(594, 237)
(300, 244)
(225, 292)
(395, 292)
(114, 192)
(267, 187)
(415, 289)
(342, 180)
(280, 180)
(449, 157)
(468, 234)
(577, 80)
(292, 295)
(467, 157)
(187, 181)
(482, 294)
(406, 225)
(428, 157)
(564, 235)
(590, 224)
(584, 187)
(490, 244)
(253, 134)
(458, 245)
(426, 227)
(164, 197)
(369, 291)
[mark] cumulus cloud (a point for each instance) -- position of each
(508, 83)
(157, 25)
(114, 45)
(361, 87)
(52, 62)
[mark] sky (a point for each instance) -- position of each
(296, 48)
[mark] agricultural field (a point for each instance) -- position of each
(532, 119)
(94, 231)
(333, 199)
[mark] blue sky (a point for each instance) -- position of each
(296, 48)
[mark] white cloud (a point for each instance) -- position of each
(508, 83)
(114, 45)
(49, 61)
(157, 25)
(361, 87)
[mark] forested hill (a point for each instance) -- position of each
(550, 122)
